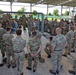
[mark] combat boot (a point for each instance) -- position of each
(1, 65)
(52, 72)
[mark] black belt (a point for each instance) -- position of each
(57, 50)
(18, 52)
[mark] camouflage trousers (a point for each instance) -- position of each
(19, 57)
(35, 59)
(56, 59)
(2, 47)
(73, 46)
(47, 50)
(68, 49)
(9, 57)
(24, 27)
(74, 65)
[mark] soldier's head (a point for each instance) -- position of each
(58, 30)
(8, 29)
(0, 24)
(50, 38)
(19, 32)
(35, 28)
(71, 28)
(34, 34)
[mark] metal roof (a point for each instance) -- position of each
(70, 3)
(49, 2)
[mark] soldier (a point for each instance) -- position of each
(69, 37)
(34, 47)
(39, 35)
(18, 47)
(7, 37)
(24, 22)
(47, 48)
(30, 25)
(74, 39)
(58, 43)
(2, 31)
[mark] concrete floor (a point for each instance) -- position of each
(43, 68)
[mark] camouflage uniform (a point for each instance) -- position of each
(18, 47)
(34, 45)
(39, 35)
(47, 49)
(69, 37)
(74, 65)
(30, 26)
(58, 42)
(24, 23)
(74, 41)
(2, 47)
(8, 45)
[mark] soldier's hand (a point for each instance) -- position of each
(32, 55)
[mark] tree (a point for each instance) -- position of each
(67, 13)
(50, 14)
(21, 10)
(34, 12)
(1, 12)
(56, 12)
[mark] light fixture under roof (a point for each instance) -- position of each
(65, 2)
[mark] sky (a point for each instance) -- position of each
(5, 6)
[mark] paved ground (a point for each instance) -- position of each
(42, 69)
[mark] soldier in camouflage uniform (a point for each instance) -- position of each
(58, 43)
(34, 47)
(74, 39)
(2, 47)
(30, 25)
(48, 48)
(39, 35)
(7, 37)
(74, 48)
(24, 22)
(69, 37)
(18, 47)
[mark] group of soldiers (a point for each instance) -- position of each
(14, 47)
(69, 32)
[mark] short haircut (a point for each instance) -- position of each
(50, 38)
(0, 22)
(8, 29)
(19, 32)
(71, 28)
(59, 29)
(20, 26)
(34, 33)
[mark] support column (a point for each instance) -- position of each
(30, 7)
(47, 10)
(38, 22)
(61, 12)
(11, 6)
(42, 27)
(73, 13)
